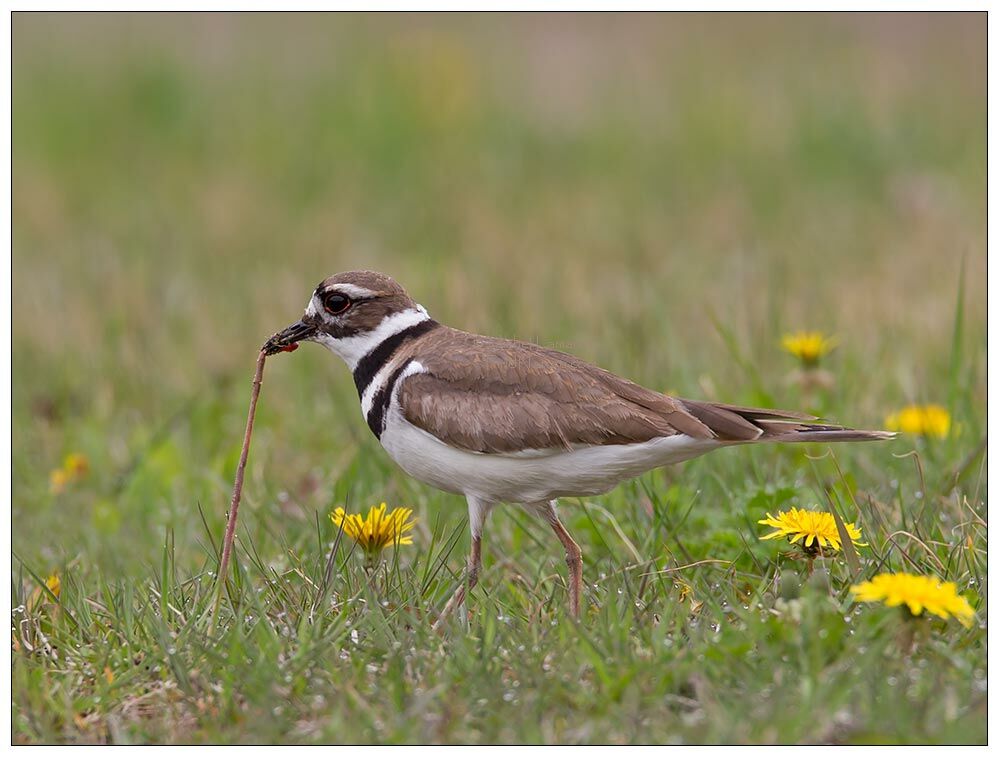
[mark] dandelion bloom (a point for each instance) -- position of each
(58, 480)
(808, 346)
(918, 593)
(76, 465)
(40, 598)
(925, 420)
(817, 529)
(378, 530)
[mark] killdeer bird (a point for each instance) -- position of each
(498, 420)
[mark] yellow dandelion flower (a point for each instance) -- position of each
(817, 529)
(58, 480)
(40, 598)
(378, 530)
(925, 420)
(918, 593)
(76, 465)
(808, 346)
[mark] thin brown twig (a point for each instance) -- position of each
(237, 488)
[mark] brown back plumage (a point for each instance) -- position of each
(492, 395)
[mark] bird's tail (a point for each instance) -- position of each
(753, 424)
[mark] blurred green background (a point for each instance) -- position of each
(615, 186)
(665, 195)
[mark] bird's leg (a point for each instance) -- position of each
(474, 562)
(471, 578)
(573, 556)
(477, 513)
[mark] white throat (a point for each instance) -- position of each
(353, 348)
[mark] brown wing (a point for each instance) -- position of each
(497, 395)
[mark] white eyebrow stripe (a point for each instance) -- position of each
(352, 290)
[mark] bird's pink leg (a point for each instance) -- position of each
(471, 578)
(573, 554)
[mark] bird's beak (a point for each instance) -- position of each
(287, 340)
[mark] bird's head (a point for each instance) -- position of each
(349, 313)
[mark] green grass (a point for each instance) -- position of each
(664, 196)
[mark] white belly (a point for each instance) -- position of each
(534, 475)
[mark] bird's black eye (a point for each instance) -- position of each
(336, 303)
